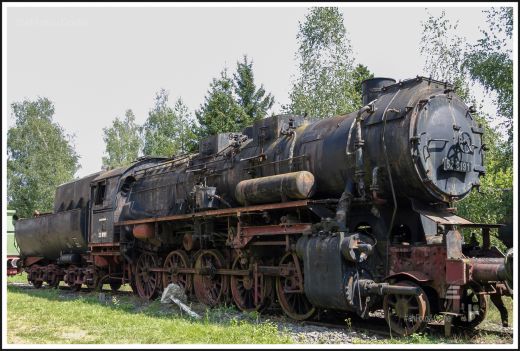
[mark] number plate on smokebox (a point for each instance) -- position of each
(456, 165)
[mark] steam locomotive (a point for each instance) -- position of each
(351, 213)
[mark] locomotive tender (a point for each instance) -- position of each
(351, 213)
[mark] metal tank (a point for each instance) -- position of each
(48, 236)
(65, 231)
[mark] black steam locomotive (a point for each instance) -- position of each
(351, 213)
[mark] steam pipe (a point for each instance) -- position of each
(221, 200)
(390, 178)
(359, 144)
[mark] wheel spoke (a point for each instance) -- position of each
(414, 307)
(295, 305)
(209, 289)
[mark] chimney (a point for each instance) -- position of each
(371, 88)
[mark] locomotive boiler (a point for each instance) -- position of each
(352, 213)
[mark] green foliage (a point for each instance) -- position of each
(493, 203)
(448, 58)
(186, 137)
(220, 112)
(122, 141)
(442, 48)
(489, 62)
(359, 74)
(233, 103)
(168, 131)
(254, 101)
(40, 156)
(326, 84)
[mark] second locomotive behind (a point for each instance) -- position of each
(350, 213)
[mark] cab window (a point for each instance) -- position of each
(100, 193)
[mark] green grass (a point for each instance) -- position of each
(50, 316)
(493, 316)
(53, 316)
(19, 278)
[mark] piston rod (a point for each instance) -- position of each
(370, 287)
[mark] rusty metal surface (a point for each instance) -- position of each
(221, 212)
(427, 263)
(414, 275)
(144, 231)
(147, 280)
(175, 261)
(252, 291)
(281, 229)
(210, 289)
(446, 218)
(290, 289)
(456, 272)
(487, 271)
(406, 314)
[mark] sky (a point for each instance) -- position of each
(94, 63)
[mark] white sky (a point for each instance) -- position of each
(94, 63)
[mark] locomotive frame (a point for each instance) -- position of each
(275, 214)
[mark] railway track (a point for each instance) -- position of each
(378, 326)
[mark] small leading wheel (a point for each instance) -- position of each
(474, 305)
(146, 280)
(210, 287)
(406, 314)
(289, 289)
(175, 260)
(250, 292)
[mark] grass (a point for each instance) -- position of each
(51, 316)
(423, 338)
(19, 278)
(493, 316)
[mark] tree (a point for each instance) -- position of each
(442, 48)
(122, 141)
(359, 74)
(449, 58)
(168, 131)
(254, 101)
(186, 137)
(220, 112)
(489, 62)
(325, 84)
(40, 156)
